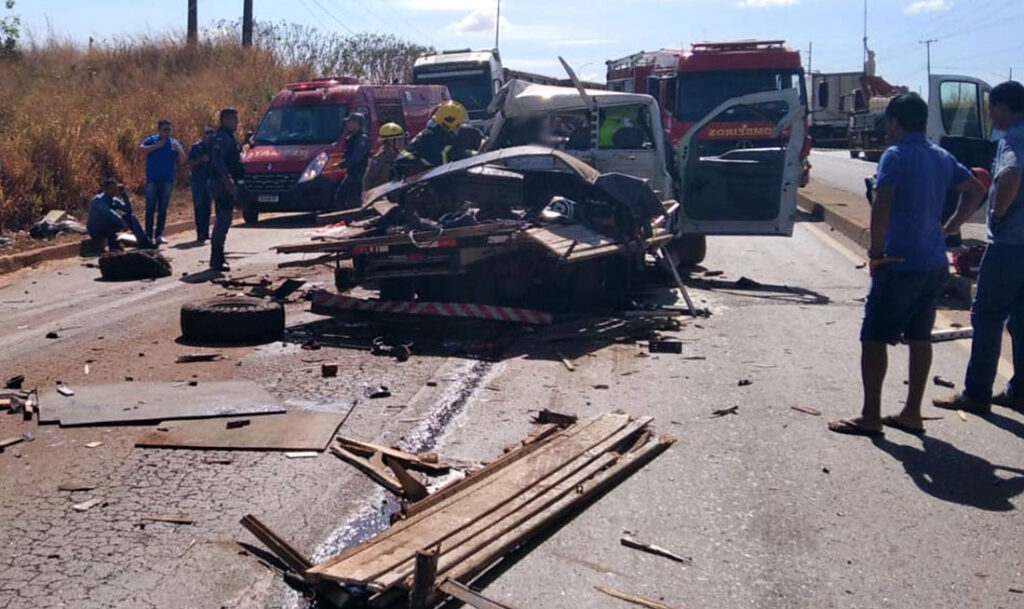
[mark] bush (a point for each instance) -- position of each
(70, 116)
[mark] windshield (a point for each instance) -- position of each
(301, 125)
(702, 92)
(471, 88)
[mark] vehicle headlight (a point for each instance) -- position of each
(315, 168)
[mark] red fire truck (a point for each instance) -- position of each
(690, 84)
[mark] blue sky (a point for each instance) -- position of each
(974, 37)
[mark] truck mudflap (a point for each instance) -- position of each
(325, 303)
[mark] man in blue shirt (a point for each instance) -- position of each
(162, 155)
(908, 263)
(199, 174)
(1000, 295)
(109, 214)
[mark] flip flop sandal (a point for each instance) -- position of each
(848, 427)
(895, 423)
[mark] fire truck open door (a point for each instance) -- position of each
(739, 167)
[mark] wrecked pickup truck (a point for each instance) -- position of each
(524, 226)
(725, 183)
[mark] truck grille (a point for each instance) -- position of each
(270, 182)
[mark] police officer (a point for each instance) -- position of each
(392, 140)
(357, 157)
(432, 146)
(225, 172)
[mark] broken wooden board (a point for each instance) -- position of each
(428, 464)
(469, 596)
(575, 242)
(155, 402)
(373, 467)
(484, 518)
(291, 431)
(632, 598)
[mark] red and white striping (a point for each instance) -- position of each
(326, 300)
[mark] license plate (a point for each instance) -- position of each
(267, 199)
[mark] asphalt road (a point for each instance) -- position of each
(774, 510)
(837, 169)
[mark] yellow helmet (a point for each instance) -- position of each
(451, 114)
(390, 131)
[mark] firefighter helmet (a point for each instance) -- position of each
(450, 114)
(391, 131)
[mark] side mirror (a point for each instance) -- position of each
(247, 140)
(823, 95)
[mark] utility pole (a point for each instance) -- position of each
(865, 51)
(928, 44)
(193, 22)
(810, 71)
(247, 23)
(497, 25)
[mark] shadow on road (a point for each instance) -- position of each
(767, 291)
(950, 474)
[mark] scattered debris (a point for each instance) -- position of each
(302, 454)
(636, 544)
(96, 444)
(15, 382)
(197, 357)
(8, 442)
(374, 468)
(172, 518)
(713, 273)
(665, 346)
(380, 391)
(806, 410)
(237, 424)
(311, 345)
(565, 361)
(962, 415)
(601, 386)
(939, 336)
(87, 505)
(746, 283)
(1016, 590)
(401, 351)
(134, 265)
(428, 463)
(328, 370)
(292, 558)
(546, 416)
(218, 461)
(721, 412)
(632, 598)
(75, 486)
(65, 391)
(28, 437)
(286, 288)
(745, 383)
(469, 596)
(944, 382)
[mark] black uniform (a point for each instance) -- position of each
(428, 149)
(225, 161)
(357, 157)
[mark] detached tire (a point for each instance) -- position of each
(232, 320)
(134, 265)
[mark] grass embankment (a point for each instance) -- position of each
(71, 116)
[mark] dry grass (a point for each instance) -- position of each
(70, 116)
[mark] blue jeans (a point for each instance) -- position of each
(201, 206)
(108, 231)
(1000, 298)
(158, 197)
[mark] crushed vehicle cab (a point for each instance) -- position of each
(737, 169)
(628, 138)
(523, 226)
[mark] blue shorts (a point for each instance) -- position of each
(901, 305)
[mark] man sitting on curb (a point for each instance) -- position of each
(109, 214)
(909, 269)
(1000, 294)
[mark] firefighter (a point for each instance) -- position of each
(225, 172)
(357, 157)
(432, 146)
(382, 165)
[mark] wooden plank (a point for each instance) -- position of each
(412, 488)
(531, 443)
(557, 513)
(155, 402)
(650, 548)
(463, 509)
(171, 518)
(470, 539)
(469, 596)
(295, 560)
(377, 474)
(575, 242)
(4, 443)
(291, 431)
(423, 582)
(632, 598)
(417, 462)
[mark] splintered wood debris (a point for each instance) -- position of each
(461, 530)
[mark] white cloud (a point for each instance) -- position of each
(580, 42)
(448, 5)
(478, 22)
(766, 3)
(927, 6)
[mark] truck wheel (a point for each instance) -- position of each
(131, 266)
(855, 154)
(232, 320)
(689, 250)
(251, 216)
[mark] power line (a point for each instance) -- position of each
(333, 16)
(401, 17)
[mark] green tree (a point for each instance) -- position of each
(10, 31)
